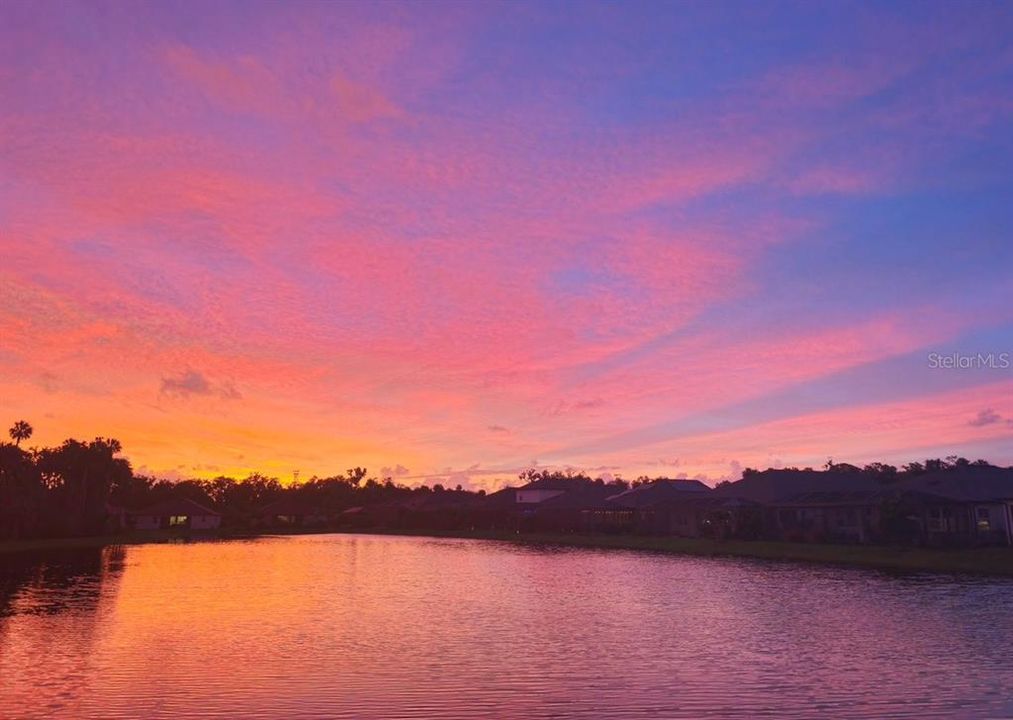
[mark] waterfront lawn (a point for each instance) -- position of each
(985, 561)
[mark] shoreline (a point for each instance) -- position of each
(990, 561)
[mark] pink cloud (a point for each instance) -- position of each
(243, 83)
(361, 103)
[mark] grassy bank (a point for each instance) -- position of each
(981, 561)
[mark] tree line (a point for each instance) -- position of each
(69, 490)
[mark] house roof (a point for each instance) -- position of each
(587, 496)
(175, 506)
(660, 492)
(771, 486)
(505, 498)
(557, 483)
(973, 483)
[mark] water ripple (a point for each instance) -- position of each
(388, 627)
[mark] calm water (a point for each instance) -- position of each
(333, 626)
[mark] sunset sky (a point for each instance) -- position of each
(451, 241)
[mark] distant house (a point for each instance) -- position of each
(968, 505)
(651, 493)
(727, 517)
(585, 507)
(293, 512)
(833, 515)
(175, 514)
(664, 507)
(538, 491)
(497, 510)
(810, 505)
(552, 504)
(971, 505)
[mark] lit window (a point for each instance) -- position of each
(984, 520)
(177, 520)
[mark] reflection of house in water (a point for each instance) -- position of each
(179, 513)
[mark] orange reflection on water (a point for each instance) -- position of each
(339, 626)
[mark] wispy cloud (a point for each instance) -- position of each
(987, 417)
(190, 383)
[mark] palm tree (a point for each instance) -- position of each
(21, 430)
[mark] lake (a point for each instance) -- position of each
(359, 626)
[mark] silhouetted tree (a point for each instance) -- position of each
(532, 475)
(131, 492)
(618, 483)
(21, 493)
(881, 472)
(239, 501)
(19, 431)
(841, 467)
(79, 477)
(355, 475)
